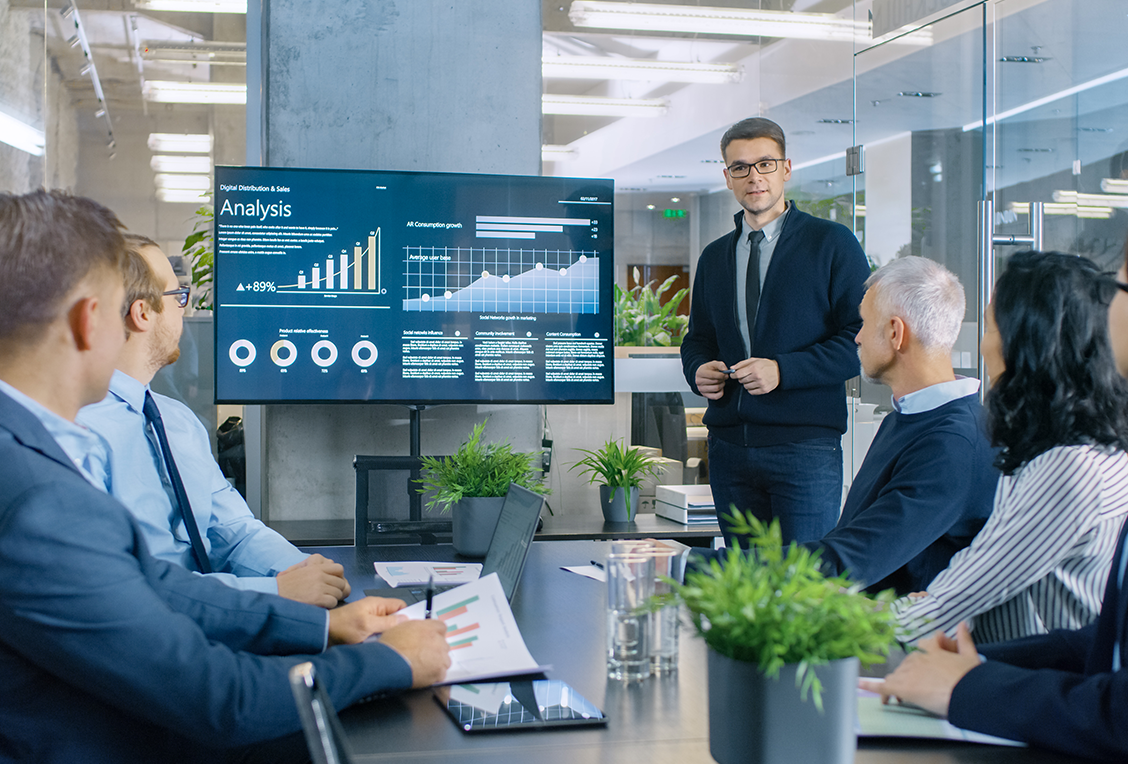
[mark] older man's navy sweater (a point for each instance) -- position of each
(806, 322)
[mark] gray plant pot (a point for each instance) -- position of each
(620, 509)
(474, 520)
(756, 720)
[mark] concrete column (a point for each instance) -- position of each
(385, 85)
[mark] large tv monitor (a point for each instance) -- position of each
(349, 286)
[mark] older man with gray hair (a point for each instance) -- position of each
(927, 483)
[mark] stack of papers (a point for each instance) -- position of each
(419, 573)
(685, 504)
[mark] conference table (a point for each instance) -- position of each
(561, 617)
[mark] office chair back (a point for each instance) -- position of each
(323, 733)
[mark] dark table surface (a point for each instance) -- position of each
(561, 618)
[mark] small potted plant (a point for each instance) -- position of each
(472, 483)
(784, 643)
(641, 318)
(619, 470)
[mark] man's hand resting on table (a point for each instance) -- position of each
(423, 645)
(359, 620)
(316, 580)
(928, 675)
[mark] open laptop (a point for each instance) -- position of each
(509, 547)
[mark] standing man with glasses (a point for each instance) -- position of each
(157, 459)
(770, 343)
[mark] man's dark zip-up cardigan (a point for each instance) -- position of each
(806, 322)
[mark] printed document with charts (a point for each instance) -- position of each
(481, 631)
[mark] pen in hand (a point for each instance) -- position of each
(430, 594)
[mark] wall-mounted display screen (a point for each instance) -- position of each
(343, 285)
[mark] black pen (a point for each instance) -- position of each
(430, 594)
(597, 564)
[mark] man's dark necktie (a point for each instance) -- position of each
(153, 417)
(752, 285)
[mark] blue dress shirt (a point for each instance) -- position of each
(244, 552)
(935, 396)
(85, 448)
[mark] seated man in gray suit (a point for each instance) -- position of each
(107, 654)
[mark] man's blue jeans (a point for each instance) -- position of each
(798, 483)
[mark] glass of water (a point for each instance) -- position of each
(630, 584)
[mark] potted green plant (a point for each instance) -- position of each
(619, 470)
(199, 252)
(784, 644)
(641, 318)
(471, 483)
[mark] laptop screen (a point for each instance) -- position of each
(515, 529)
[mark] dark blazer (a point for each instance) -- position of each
(1056, 690)
(806, 323)
(107, 654)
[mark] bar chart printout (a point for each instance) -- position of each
(419, 573)
(483, 636)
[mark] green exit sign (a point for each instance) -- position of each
(673, 213)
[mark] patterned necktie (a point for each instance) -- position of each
(153, 417)
(752, 285)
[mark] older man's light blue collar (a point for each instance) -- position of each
(935, 396)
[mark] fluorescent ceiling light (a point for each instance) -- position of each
(179, 164)
(193, 6)
(179, 143)
(1091, 200)
(550, 153)
(605, 68)
(1049, 99)
(598, 106)
(1114, 185)
(194, 92)
(693, 19)
(1065, 208)
(182, 196)
(21, 135)
(183, 182)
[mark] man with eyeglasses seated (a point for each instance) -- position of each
(770, 343)
(224, 540)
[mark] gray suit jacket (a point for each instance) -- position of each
(107, 654)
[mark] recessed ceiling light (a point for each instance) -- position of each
(1034, 151)
(675, 199)
(1024, 59)
(180, 143)
(607, 68)
(182, 196)
(836, 121)
(168, 163)
(1094, 129)
(650, 206)
(194, 92)
(597, 106)
(918, 94)
(199, 183)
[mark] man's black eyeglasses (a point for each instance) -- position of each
(763, 167)
(1121, 287)
(181, 295)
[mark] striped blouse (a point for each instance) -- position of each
(1042, 559)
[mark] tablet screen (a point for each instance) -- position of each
(529, 704)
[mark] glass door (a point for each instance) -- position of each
(917, 99)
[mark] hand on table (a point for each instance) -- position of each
(359, 620)
(928, 675)
(710, 379)
(423, 645)
(758, 375)
(316, 580)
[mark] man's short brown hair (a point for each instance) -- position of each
(141, 282)
(50, 241)
(753, 128)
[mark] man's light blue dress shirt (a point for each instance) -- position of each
(244, 552)
(85, 448)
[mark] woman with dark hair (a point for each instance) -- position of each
(1058, 413)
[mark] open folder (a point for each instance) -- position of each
(484, 640)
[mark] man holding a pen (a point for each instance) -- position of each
(770, 343)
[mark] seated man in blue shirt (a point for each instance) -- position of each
(240, 549)
(927, 484)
